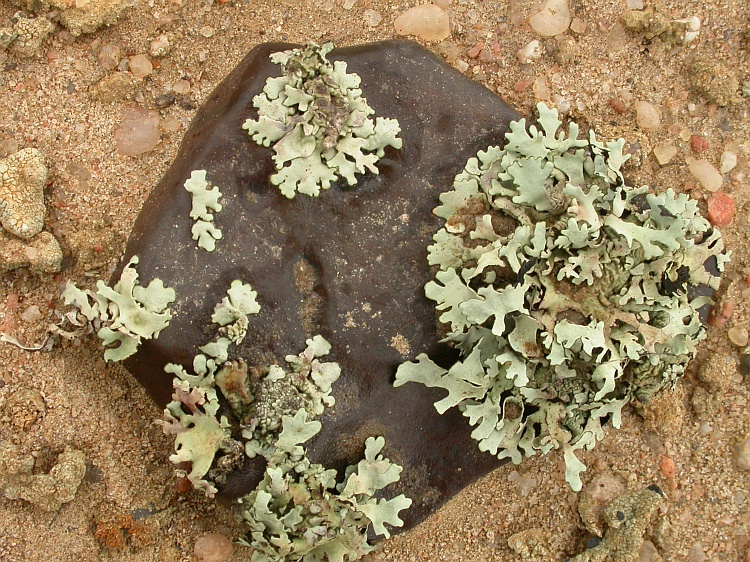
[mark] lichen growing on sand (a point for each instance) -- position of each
(126, 313)
(319, 124)
(567, 292)
(46, 491)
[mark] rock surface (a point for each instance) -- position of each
(361, 252)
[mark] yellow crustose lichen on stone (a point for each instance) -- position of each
(22, 179)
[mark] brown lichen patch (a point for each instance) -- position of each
(306, 278)
(23, 408)
(118, 532)
(665, 414)
(401, 344)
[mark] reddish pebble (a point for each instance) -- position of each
(719, 317)
(698, 144)
(475, 50)
(522, 85)
(667, 467)
(720, 209)
(496, 48)
(618, 105)
(98, 248)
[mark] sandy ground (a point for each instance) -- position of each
(127, 507)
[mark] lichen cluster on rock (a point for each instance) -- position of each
(299, 510)
(567, 292)
(319, 123)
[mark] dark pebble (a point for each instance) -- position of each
(164, 101)
(744, 368)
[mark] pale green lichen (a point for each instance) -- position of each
(298, 511)
(205, 198)
(319, 123)
(566, 292)
(126, 313)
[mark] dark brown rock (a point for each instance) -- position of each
(349, 265)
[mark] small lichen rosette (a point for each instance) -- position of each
(300, 510)
(319, 124)
(567, 292)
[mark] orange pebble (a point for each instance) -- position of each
(667, 467)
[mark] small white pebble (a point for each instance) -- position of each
(634, 4)
(181, 87)
(461, 65)
(703, 171)
(578, 26)
(529, 52)
(728, 162)
(664, 153)
(207, 31)
(159, 46)
(372, 18)
(738, 336)
(31, 314)
(646, 116)
(349, 4)
(140, 66)
(705, 428)
(553, 19)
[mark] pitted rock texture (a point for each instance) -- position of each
(22, 179)
(349, 265)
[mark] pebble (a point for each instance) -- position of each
(738, 336)
(664, 153)
(164, 100)
(706, 174)
(207, 31)
(617, 105)
(529, 52)
(213, 547)
(140, 66)
(720, 209)
(648, 553)
(577, 25)
(541, 89)
(728, 162)
(114, 87)
(159, 46)
(138, 132)
(31, 314)
(525, 485)
(181, 87)
(553, 19)
(427, 21)
(667, 467)
(698, 144)
(719, 317)
(372, 18)
(696, 553)
(646, 116)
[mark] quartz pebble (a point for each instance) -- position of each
(646, 116)
(213, 547)
(703, 171)
(720, 209)
(140, 66)
(696, 553)
(648, 553)
(728, 162)
(31, 314)
(553, 19)
(427, 21)
(372, 18)
(181, 87)
(207, 31)
(529, 52)
(738, 336)
(138, 132)
(664, 153)
(159, 46)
